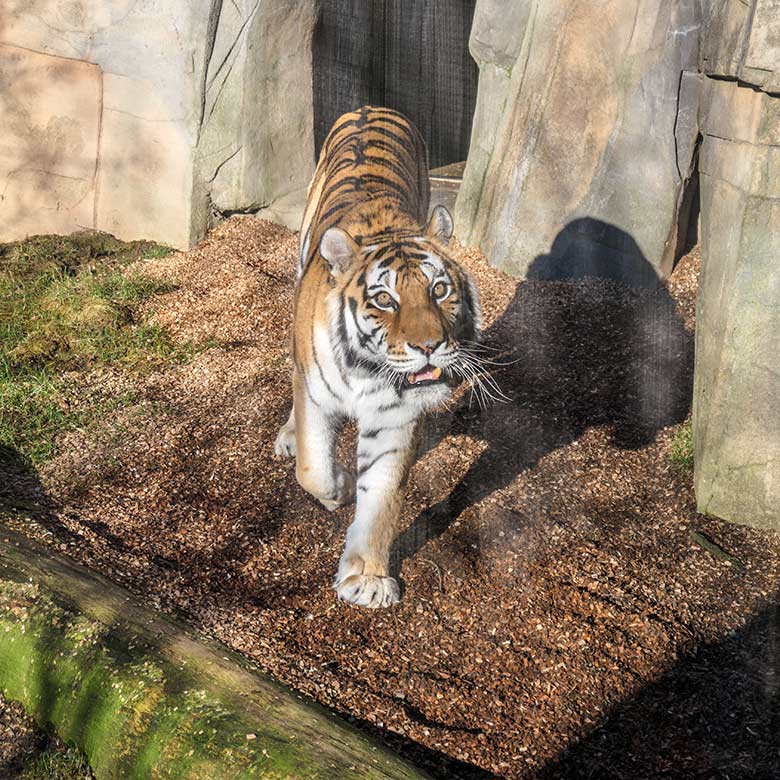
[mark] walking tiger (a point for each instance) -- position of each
(383, 320)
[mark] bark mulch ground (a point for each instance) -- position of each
(558, 617)
(20, 740)
(29, 753)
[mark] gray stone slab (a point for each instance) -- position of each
(741, 40)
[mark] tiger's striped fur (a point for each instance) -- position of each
(381, 310)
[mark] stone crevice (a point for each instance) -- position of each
(238, 39)
(211, 32)
(227, 159)
(731, 140)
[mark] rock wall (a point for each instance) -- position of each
(49, 138)
(737, 379)
(741, 40)
(145, 119)
(590, 120)
(584, 112)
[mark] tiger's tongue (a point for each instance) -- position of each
(429, 374)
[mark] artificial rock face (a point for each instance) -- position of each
(586, 130)
(49, 138)
(737, 377)
(585, 115)
(741, 40)
(147, 119)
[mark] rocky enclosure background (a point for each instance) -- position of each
(152, 118)
(598, 128)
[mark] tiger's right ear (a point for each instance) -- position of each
(339, 250)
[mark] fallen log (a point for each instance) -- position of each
(145, 697)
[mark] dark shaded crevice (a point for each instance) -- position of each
(689, 210)
(223, 163)
(251, 209)
(741, 83)
(211, 36)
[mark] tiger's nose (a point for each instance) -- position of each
(427, 347)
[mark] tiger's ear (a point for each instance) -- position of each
(338, 249)
(440, 224)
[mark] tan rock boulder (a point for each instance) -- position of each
(184, 111)
(737, 378)
(582, 114)
(49, 134)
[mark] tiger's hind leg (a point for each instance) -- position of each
(316, 468)
(285, 439)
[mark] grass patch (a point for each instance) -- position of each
(66, 764)
(68, 304)
(682, 447)
(35, 410)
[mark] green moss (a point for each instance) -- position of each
(130, 716)
(67, 305)
(681, 454)
(158, 706)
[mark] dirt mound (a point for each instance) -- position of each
(550, 580)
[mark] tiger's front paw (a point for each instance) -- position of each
(368, 590)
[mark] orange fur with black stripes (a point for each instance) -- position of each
(384, 319)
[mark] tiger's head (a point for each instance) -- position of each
(406, 308)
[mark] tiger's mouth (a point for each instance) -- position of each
(430, 375)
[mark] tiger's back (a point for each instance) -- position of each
(371, 179)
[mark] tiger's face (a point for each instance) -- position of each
(406, 309)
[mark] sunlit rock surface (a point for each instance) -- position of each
(584, 111)
(737, 386)
(741, 40)
(148, 119)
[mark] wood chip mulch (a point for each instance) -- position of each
(26, 749)
(558, 619)
(20, 739)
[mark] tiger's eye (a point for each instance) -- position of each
(439, 290)
(384, 299)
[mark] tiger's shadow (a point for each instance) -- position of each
(577, 353)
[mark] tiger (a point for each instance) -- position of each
(381, 311)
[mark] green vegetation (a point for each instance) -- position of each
(682, 447)
(55, 764)
(66, 303)
(69, 304)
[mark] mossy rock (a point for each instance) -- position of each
(144, 697)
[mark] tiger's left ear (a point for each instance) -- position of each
(440, 224)
(338, 249)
